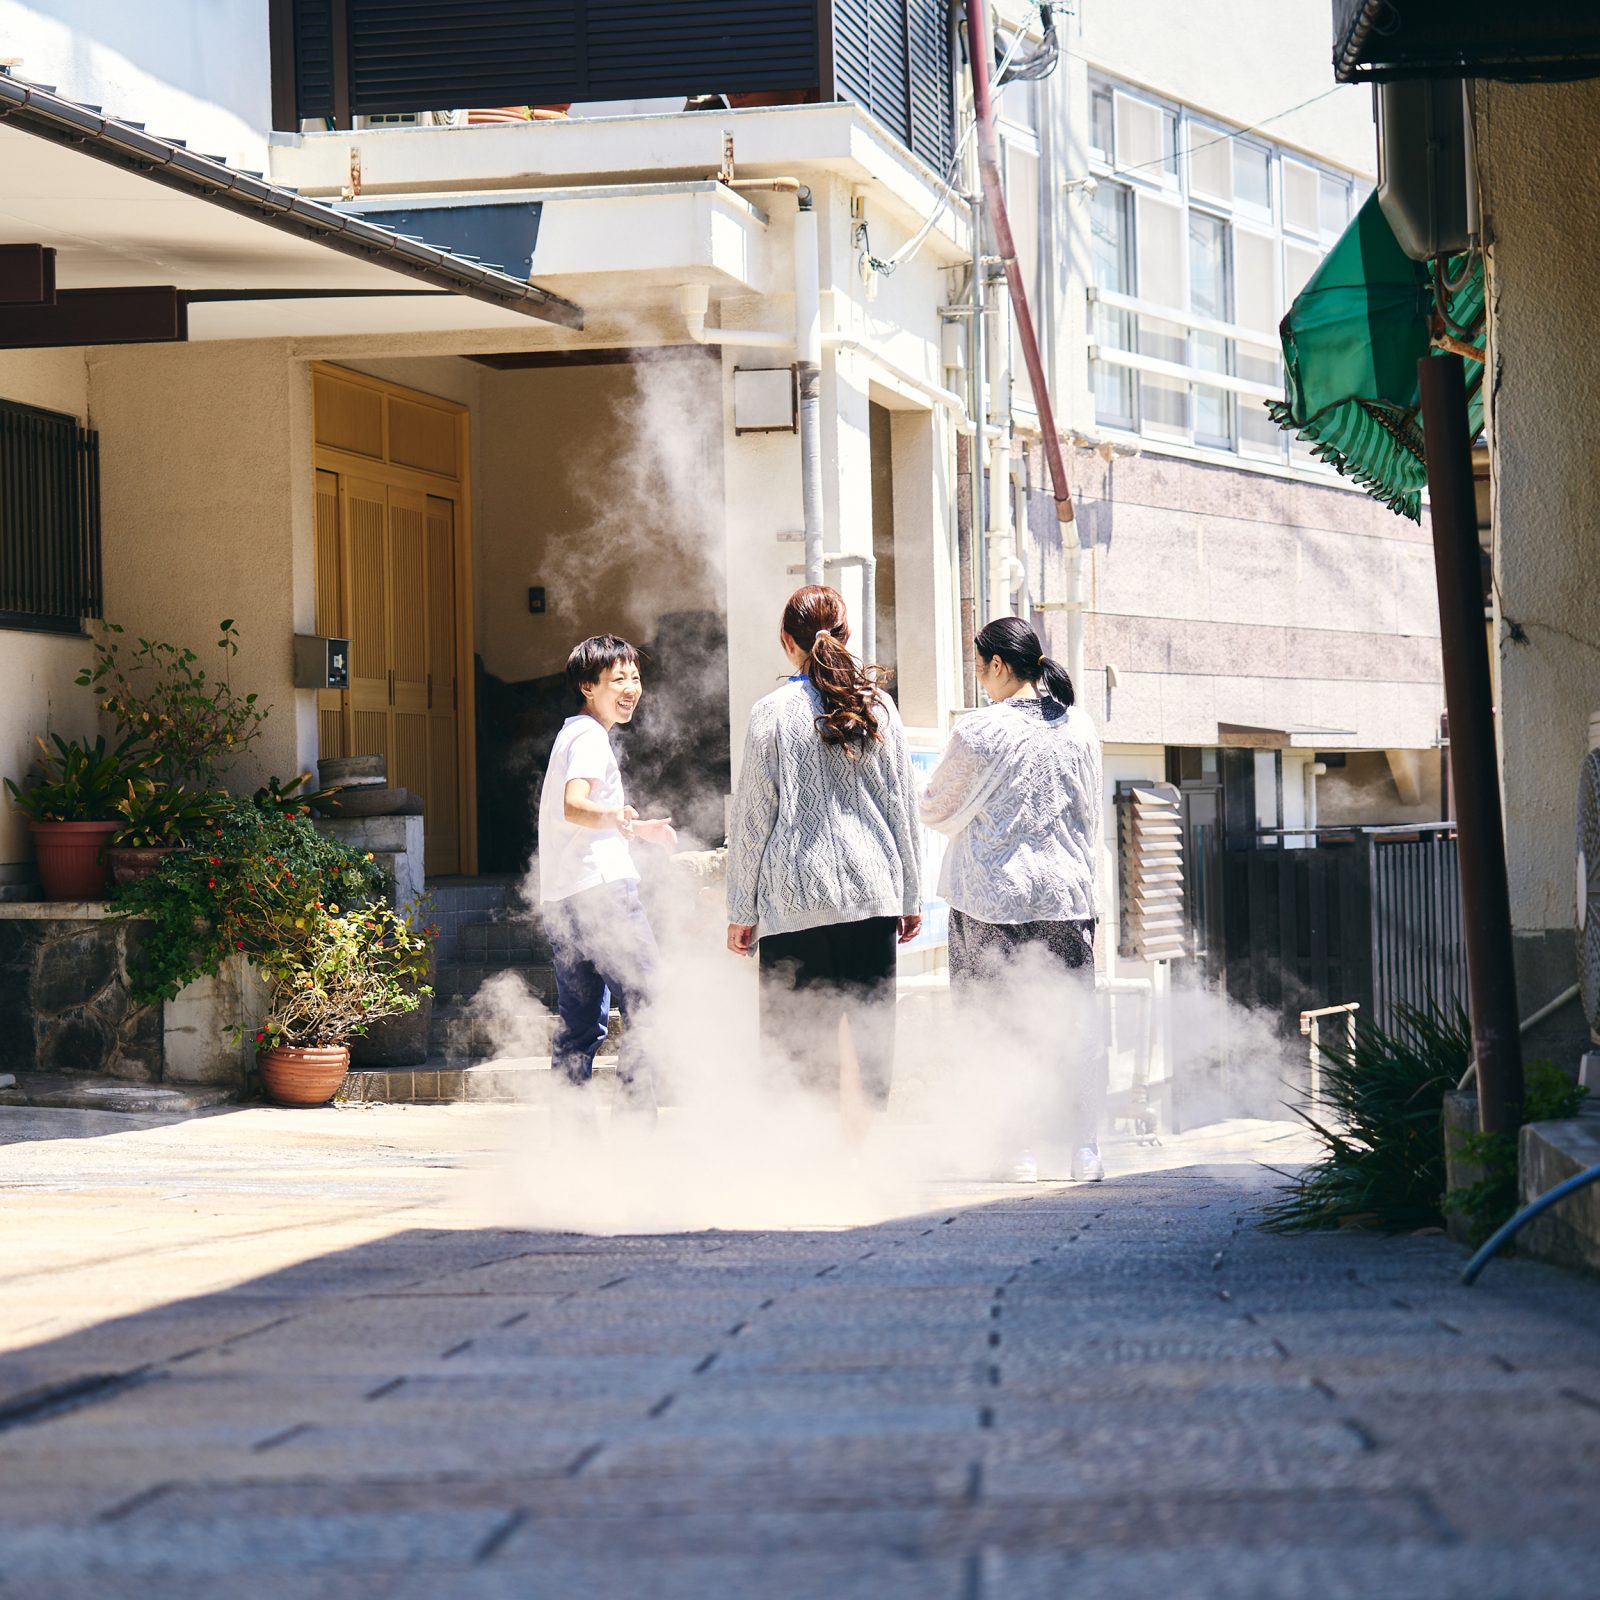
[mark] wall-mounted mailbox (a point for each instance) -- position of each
(321, 663)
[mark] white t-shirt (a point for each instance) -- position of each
(571, 858)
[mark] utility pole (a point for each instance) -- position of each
(1469, 700)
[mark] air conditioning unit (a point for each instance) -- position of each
(1589, 880)
(413, 119)
(1150, 871)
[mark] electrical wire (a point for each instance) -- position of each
(1239, 133)
(885, 266)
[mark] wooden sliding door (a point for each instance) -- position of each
(391, 498)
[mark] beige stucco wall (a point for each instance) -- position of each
(602, 484)
(38, 669)
(206, 494)
(1539, 166)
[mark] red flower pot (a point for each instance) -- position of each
(303, 1077)
(72, 858)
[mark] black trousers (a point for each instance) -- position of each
(812, 978)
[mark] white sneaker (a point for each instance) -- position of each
(1087, 1167)
(1025, 1169)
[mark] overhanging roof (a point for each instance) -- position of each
(1531, 41)
(122, 208)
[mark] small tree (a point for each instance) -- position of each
(194, 724)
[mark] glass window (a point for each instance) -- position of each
(1111, 260)
(1299, 262)
(1252, 174)
(1110, 256)
(1335, 205)
(1210, 163)
(1210, 294)
(1100, 123)
(1300, 204)
(1255, 281)
(1147, 138)
(1160, 272)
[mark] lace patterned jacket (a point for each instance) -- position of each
(818, 836)
(1018, 791)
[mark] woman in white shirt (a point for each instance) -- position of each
(1018, 791)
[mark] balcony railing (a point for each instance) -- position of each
(335, 60)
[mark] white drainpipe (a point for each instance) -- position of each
(1006, 572)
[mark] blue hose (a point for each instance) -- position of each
(1534, 1208)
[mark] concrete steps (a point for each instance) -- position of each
(441, 1082)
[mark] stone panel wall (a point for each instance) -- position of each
(64, 993)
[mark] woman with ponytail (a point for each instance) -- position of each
(1018, 792)
(824, 855)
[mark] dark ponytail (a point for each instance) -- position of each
(815, 619)
(1013, 642)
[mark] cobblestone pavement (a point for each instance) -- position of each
(273, 1354)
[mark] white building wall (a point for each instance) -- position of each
(197, 70)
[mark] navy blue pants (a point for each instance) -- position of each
(604, 950)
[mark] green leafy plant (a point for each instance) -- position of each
(194, 722)
(157, 816)
(252, 874)
(77, 782)
(293, 798)
(1380, 1123)
(1548, 1095)
(333, 974)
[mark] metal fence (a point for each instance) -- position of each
(49, 520)
(1371, 915)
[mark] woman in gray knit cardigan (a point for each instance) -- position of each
(824, 853)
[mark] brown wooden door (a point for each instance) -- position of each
(391, 530)
(443, 817)
(364, 503)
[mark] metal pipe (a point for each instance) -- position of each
(1548, 1009)
(1533, 1209)
(995, 203)
(808, 373)
(869, 596)
(694, 299)
(1485, 897)
(948, 398)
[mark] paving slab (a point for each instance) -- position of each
(343, 1353)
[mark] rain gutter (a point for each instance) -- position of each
(123, 144)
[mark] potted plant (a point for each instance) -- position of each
(71, 806)
(332, 975)
(157, 820)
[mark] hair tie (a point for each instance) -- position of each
(1041, 661)
(828, 631)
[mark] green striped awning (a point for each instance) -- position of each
(1351, 343)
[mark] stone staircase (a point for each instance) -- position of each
(484, 931)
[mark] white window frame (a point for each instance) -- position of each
(1148, 184)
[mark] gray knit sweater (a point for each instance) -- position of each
(818, 836)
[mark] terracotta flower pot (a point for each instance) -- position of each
(72, 858)
(303, 1077)
(484, 116)
(129, 863)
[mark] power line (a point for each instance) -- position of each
(1238, 133)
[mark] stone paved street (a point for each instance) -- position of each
(261, 1353)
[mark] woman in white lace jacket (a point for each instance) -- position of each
(1018, 791)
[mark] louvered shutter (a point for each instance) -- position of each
(420, 55)
(928, 67)
(1150, 859)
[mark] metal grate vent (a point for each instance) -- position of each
(49, 520)
(1150, 871)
